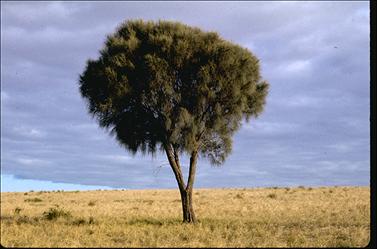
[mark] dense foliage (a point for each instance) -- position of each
(158, 83)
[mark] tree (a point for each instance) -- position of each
(165, 85)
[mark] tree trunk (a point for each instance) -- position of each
(188, 211)
(186, 195)
(185, 190)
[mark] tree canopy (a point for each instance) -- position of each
(166, 83)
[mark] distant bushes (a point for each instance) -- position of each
(56, 212)
(17, 211)
(82, 221)
(119, 200)
(43, 192)
(23, 219)
(33, 200)
(52, 214)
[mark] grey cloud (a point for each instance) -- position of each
(314, 131)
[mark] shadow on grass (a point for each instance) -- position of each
(176, 221)
(154, 221)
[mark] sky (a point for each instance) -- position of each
(314, 131)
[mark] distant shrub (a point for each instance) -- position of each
(287, 189)
(149, 202)
(91, 220)
(275, 187)
(79, 221)
(17, 210)
(82, 221)
(31, 191)
(91, 203)
(33, 200)
(310, 188)
(331, 191)
(23, 219)
(272, 196)
(54, 213)
(25, 193)
(239, 196)
(301, 187)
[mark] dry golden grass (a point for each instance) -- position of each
(269, 217)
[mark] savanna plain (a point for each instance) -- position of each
(259, 217)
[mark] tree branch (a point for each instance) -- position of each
(175, 167)
(176, 157)
(191, 177)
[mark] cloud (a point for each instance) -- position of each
(314, 130)
(39, 11)
(297, 66)
(29, 132)
(32, 161)
(115, 158)
(264, 128)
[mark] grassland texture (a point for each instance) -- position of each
(262, 217)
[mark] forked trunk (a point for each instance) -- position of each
(185, 190)
(188, 211)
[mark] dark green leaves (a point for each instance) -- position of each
(166, 82)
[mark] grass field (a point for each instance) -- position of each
(261, 217)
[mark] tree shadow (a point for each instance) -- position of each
(154, 222)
